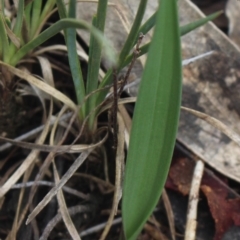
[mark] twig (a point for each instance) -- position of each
(51, 184)
(190, 232)
(99, 227)
(72, 211)
(169, 211)
(55, 189)
(118, 177)
(135, 56)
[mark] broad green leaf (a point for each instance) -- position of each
(155, 122)
(144, 49)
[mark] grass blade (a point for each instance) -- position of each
(56, 28)
(147, 26)
(133, 32)
(19, 20)
(74, 60)
(183, 31)
(47, 9)
(155, 123)
(61, 9)
(95, 51)
(4, 44)
(36, 13)
(17, 29)
(192, 26)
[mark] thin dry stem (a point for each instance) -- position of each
(190, 232)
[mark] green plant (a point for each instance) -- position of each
(157, 109)
(155, 122)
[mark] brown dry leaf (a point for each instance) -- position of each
(181, 174)
(57, 149)
(41, 85)
(29, 159)
(170, 215)
(210, 86)
(59, 185)
(63, 209)
(225, 212)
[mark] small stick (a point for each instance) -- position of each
(135, 56)
(117, 93)
(190, 232)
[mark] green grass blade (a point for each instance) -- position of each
(106, 81)
(125, 50)
(47, 9)
(144, 49)
(74, 60)
(61, 9)
(2, 7)
(17, 29)
(27, 14)
(183, 31)
(56, 28)
(146, 27)
(19, 19)
(133, 32)
(62, 13)
(192, 26)
(36, 13)
(155, 122)
(95, 51)
(4, 44)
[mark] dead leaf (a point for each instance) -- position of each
(181, 174)
(225, 212)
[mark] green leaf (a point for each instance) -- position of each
(125, 50)
(47, 9)
(95, 51)
(147, 26)
(17, 29)
(155, 122)
(19, 19)
(74, 60)
(56, 28)
(192, 26)
(36, 13)
(4, 44)
(183, 31)
(133, 34)
(61, 9)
